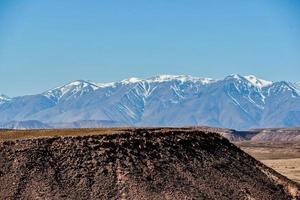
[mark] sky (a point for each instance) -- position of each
(44, 44)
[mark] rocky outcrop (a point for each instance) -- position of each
(137, 164)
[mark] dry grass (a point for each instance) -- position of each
(271, 151)
(282, 157)
(288, 167)
(6, 135)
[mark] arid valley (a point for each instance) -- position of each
(282, 157)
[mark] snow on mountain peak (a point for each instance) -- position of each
(164, 78)
(260, 83)
(234, 76)
(297, 86)
(251, 79)
(79, 84)
(3, 98)
(131, 80)
(182, 78)
(78, 87)
(158, 79)
(104, 85)
(114, 84)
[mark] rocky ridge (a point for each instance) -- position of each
(137, 164)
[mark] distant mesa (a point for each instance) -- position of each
(24, 125)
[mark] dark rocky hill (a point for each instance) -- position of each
(137, 164)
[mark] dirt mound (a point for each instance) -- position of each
(137, 164)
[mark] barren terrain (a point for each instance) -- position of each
(283, 157)
(133, 164)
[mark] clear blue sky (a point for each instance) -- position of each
(47, 43)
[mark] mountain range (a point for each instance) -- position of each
(237, 102)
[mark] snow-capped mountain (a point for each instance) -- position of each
(259, 83)
(71, 90)
(297, 85)
(239, 102)
(3, 98)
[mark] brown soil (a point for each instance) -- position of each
(282, 156)
(136, 164)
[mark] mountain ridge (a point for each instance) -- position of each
(239, 102)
